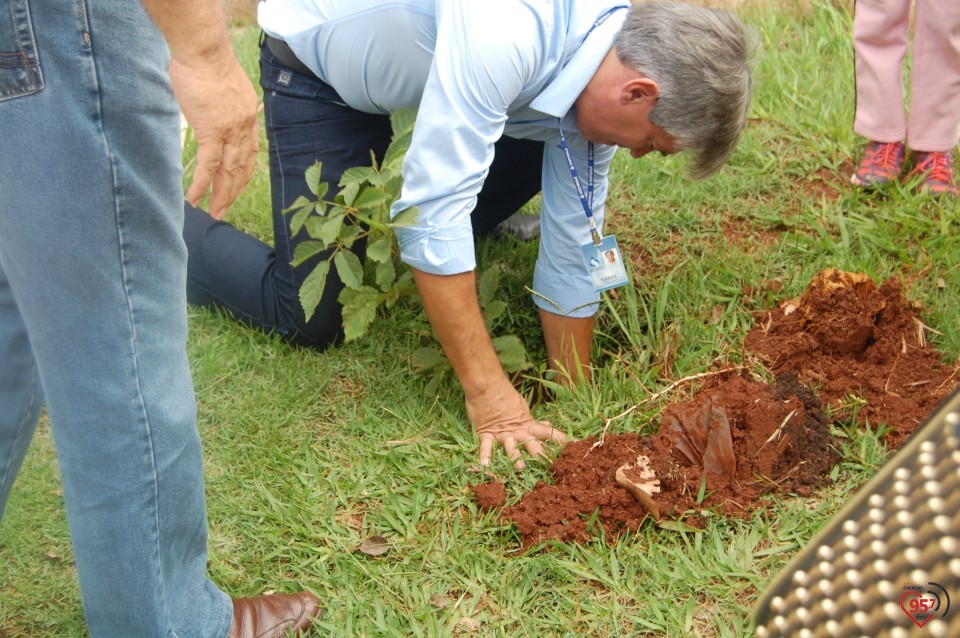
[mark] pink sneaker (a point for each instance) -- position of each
(936, 168)
(881, 164)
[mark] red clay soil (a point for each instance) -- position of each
(847, 337)
(740, 438)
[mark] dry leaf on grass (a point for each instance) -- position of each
(374, 546)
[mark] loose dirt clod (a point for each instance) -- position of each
(840, 311)
(490, 495)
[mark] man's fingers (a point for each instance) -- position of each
(227, 179)
(221, 105)
(237, 164)
(534, 448)
(545, 431)
(514, 429)
(486, 448)
(207, 163)
(510, 447)
(227, 166)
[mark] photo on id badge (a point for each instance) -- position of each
(604, 264)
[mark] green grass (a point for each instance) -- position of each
(308, 454)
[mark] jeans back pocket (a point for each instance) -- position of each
(19, 63)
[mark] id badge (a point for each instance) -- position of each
(604, 264)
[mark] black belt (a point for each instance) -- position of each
(282, 51)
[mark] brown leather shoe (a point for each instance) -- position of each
(273, 616)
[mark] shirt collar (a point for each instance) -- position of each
(558, 97)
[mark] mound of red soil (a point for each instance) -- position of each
(848, 338)
(780, 440)
(740, 438)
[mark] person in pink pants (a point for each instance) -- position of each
(931, 127)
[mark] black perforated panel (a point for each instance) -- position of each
(888, 564)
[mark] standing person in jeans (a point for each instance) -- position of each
(501, 88)
(92, 303)
(931, 128)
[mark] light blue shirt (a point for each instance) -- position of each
(474, 70)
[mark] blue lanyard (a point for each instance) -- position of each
(586, 198)
(603, 18)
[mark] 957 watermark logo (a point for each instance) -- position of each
(921, 603)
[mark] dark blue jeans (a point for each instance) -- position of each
(306, 121)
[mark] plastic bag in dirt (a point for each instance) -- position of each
(701, 437)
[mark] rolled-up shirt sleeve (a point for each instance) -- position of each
(485, 54)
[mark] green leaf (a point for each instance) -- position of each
(305, 250)
(313, 178)
(382, 178)
(702, 494)
(403, 287)
(402, 120)
(406, 277)
(301, 209)
(379, 249)
(349, 234)
(386, 274)
(370, 198)
(312, 289)
(492, 312)
(337, 209)
(350, 269)
(512, 354)
(489, 282)
(357, 176)
(393, 158)
(433, 386)
(359, 311)
(394, 183)
(322, 189)
(406, 217)
(424, 359)
(297, 204)
(348, 193)
(373, 162)
(330, 229)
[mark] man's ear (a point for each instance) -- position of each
(639, 89)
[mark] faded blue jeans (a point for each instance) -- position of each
(93, 310)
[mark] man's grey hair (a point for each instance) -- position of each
(700, 59)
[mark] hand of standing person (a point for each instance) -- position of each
(215, 95)
(219, 102)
